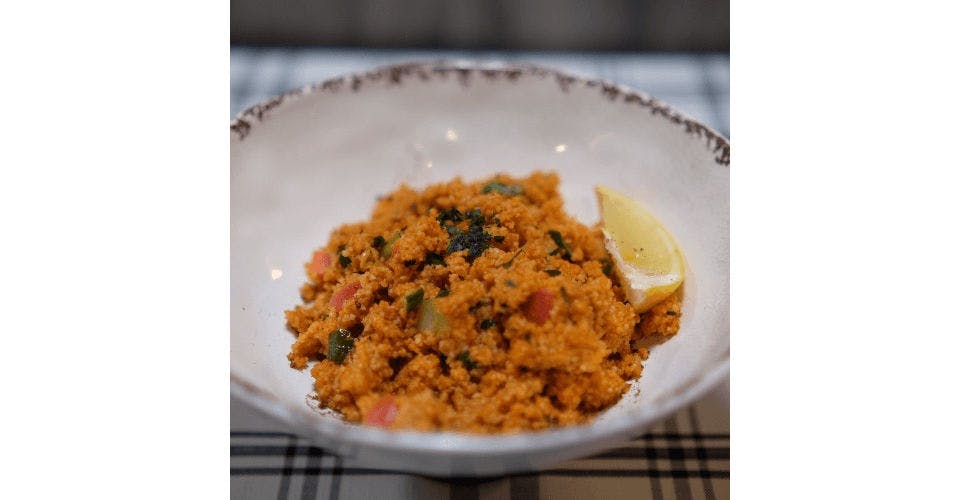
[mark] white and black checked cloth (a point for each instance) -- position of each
(687, 456)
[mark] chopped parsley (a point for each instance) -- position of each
(379, 242)
(607, 266)
(552, 272)
(562, 247)
(474, 240)
(449, 214)
(435, 260)
(464, 357)
(340, 344)
(344, 260)
(443, 363)
(501, 188)
(475, 217)
(487, 323)
(499, 238)
(414, 299)
(479, 304)
(443, 293)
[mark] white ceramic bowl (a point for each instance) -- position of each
(307, 161)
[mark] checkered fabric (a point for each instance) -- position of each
(686, 456)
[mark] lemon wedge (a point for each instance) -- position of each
(646, 256)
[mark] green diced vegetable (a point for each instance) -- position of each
(443, 293)
(501, 188)
(387, 250)
(341, 343)
(431, 319)
(487, 323)
(552, 272)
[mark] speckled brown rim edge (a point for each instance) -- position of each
(465, 72)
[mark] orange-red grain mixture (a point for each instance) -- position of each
(476, 307)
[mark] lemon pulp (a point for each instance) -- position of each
(646, 257)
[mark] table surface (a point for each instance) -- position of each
(685, 456)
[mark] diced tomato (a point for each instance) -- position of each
(539, 306)
(345, 294)
(383, 413)
(321, 260)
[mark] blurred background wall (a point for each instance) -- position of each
(672, 25)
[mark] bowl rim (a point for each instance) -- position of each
(302, 420)
(464, 70)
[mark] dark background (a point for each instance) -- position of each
(615, 25)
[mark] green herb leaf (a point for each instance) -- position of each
(379, 242)
(561, 245)
(435, 260)
(499, 238)
(487, 323)
(507, 264)
(414, 299)
(475, 217)
(443, 293)
(443, 362)
(449, 214)
(480, 303)
(464, 357)
(671, 313)
(340, 344)
(552, 272)
(607, 266)
(475, 240)
(501, 188)
(344, 260)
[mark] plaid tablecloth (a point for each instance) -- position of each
(686, 456)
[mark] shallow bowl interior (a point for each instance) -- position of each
(308, 161)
